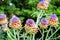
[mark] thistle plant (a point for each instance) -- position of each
(3, 19)
(3, 22)
(53, 20)
(15, 23)
(31, 27)
(44, 23)
(27, 30)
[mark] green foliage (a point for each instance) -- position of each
(1, 9)
(2, 35)
(55, 2)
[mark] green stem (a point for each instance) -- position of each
(53, 34)
(48, 33)
(33, 36)
(9, 35)
(43, 35)
(14, 34)
(40, 38)
(38, 17)
(40, 31)
(30, 37)
(24, 36)
(57, 37)
(18, 35)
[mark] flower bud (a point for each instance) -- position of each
(30, 26)
(44, 23)
(53, 20)
(3, 19)
(15, 23)
(42, 5)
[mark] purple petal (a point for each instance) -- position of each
(30, 22)
(14, 19)
(2, 16)
(43, 2)
(44, 21)
(53, 16)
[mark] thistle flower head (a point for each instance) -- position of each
(44, 21)
(14, 19)
(53, 16)
(46, 0)
(43, 2)
(53, 20)
(3, 19)
(2, 16)
(30, 26)
(42, 5)
(30, 22)
(15, 23)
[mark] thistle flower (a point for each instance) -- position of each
(47, 1)
(15, 23)
(53, 20)
(30, 26)
(3, 19)
(44, 23)
(30, 22)
(42, 5)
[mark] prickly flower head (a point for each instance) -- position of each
(47, 1)
(3, 19)
(30, 22)
(44, 23)
(30, 26)
(42, 5)
(15, 22)
(53, 20)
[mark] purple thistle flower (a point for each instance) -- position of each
(53, 16)
(14, 19)
(43, 2)
(30, 22)
(2, 16)
(44, 21)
